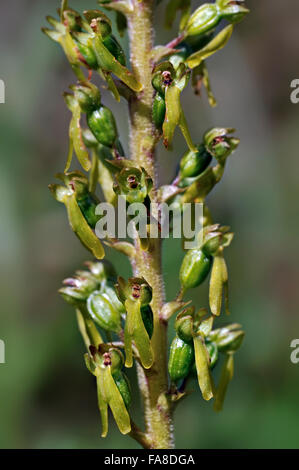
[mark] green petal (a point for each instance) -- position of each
(173, 114)
(102, 403)
(110, 64)
(217, 43)
(202, 367)
(77, 140)
(81, 228)
(217, 282)
(116, 402)
(136, 330)
(226, 376)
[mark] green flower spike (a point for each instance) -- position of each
(70, 195)
(136, 294)
(191, 328)
(105, 364)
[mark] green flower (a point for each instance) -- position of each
(136, 294)
(70, 195)
(113, 390)
(133, 183)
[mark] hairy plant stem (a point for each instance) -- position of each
(153, 382)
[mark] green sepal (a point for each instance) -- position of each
(227, 373)
(218, 284)
(174, 115)
(107, 62)
(216, 44)
(109, 394)
(202, 361)
(75, 135)
(136, 331)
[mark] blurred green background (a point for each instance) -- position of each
(47, 397)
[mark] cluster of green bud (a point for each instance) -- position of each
(136, 296)
(106, 364)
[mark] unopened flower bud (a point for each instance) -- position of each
(194, 269)
(219, 144)
(181, 359)
(103, 126)
(194, 163)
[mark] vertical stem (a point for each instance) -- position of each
(153, 382)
